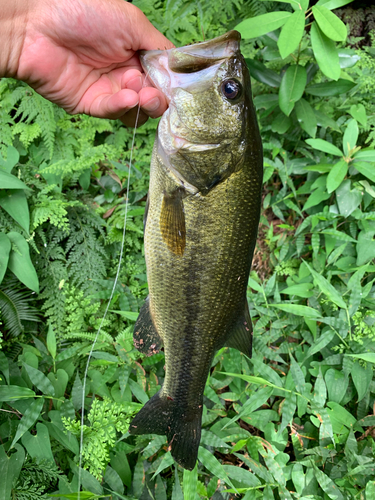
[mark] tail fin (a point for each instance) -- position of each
(181, 425)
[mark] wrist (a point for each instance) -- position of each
(13, 23)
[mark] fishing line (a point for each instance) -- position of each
(108, 304)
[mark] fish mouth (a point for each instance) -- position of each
(178, 67)
(183, 145)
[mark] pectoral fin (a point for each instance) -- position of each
(241, 336)
(145, 336)
(172, 222)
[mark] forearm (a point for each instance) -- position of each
(13, 23)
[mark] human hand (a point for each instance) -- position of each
(82, 55)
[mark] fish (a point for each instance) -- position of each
(201, 223)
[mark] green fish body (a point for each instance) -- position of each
(200, 230)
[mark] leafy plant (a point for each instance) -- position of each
(294, 422)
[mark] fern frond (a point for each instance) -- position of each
(103, 337)
(15, 308)
(86, 254)
(33, 107)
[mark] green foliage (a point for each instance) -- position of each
(105, 418)
(295, 421)
(16, 311)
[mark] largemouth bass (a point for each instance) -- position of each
(200, 230)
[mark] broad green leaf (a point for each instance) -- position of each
(281, 124)
(296, 4)
(362, 377)
(366, 356)
(40, 381)
(113, 480)
(38, 446)
(51, 342)
(370, 490)
(328, 89)
(340, 414)
(339, 235)
(210, 439)
(333, 4)
(326, 287)
(68, 441)
(261, 25)
(5, 248)
(59, 380)
(325, 121)
(337, 384)
(251, 379)
(266, 101)
(366, 169)
(127, 314)
(12, 158)
(348, 58)
(307, 312)
(298, 477)
(315, 198)
(347, 199)
(306, 117)
(244, 477)
(358, 112)
(177, 491)
(365, 155)
(329, 23)
(337, 175)
(323, 341)
(301, 290)
(4, 366)
(292, 86)
(326, 147)
(327, 485)
(15, 392)
(20, 263)
(367, 421)
(263, 74)
(9, 181)
(15, 203)
(254, 285)
(10, 467)
(82, 495)
(325, 53)
(320, 390)
(291, 33)
(256, 400)
(213, 465)
(28, 419)
(350, 136)
(189, 483)
(138, 391)
(84, 179)
(164, 464)
(297, 375)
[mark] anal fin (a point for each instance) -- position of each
(172, 222)
(145, 336)
(241, 335)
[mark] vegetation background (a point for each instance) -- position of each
(297, 421)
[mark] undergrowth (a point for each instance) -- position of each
(294, 422)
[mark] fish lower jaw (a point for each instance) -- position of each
(180, 144)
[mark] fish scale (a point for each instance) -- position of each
(200, 231)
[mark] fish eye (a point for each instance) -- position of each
(231, 89)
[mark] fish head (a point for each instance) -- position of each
(202, 135)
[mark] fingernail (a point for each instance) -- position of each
(152, 105)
